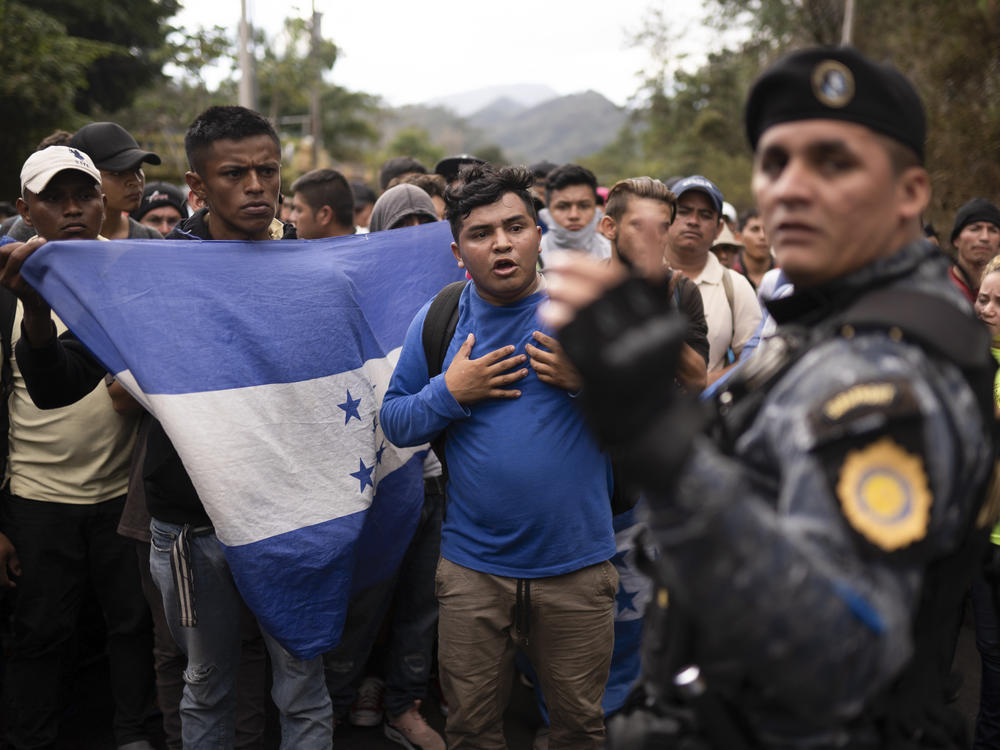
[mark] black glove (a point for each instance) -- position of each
(626, 346)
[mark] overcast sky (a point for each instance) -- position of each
(408, 52)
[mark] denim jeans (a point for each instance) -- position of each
(212, 646)
(413, 624)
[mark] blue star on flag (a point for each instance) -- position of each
(364, 475)
(350, 407)
(379, 452)
(625, 599)
(618, 559)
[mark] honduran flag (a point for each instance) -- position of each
(266, 363)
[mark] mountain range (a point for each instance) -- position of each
(529, 123)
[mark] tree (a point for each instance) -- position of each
(138, 29)
(416, 143)
(693, 121)
(951, 52)
(59, 60)
(41, 70)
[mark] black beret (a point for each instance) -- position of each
(978, 209)
(837, 83)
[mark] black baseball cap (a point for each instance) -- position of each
(111, 147)
(158, 194)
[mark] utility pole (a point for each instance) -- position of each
(248, 89)
(314, 111)
(845, 37)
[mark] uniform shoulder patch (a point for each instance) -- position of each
(884, 492)
(869, 406)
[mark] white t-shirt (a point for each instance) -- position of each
(746, 312)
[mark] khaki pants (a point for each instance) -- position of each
(565, 624)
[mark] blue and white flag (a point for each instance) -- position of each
(266, 363)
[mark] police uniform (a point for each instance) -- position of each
(819, 532)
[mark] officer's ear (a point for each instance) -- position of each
(913, 192)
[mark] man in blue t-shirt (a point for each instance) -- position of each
(527, 532)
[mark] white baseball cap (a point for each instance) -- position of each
(42, 166)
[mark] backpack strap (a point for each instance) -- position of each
(727, 287)
(439, 326)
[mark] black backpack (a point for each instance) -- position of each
(438, 331)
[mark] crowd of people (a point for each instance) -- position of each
(783, 417)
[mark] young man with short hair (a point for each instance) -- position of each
(731, 307)
(527, 531)
(322, 205)
(754, 257)
(637, 216)
(68, 473)
(399, 166)
(235, 160)
(572, 213)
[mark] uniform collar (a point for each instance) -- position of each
(810, 305)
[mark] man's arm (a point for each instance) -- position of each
(807, 573)
(805, 577)
(692, 367)
(416, 408)
(57, 371)
(10, 565)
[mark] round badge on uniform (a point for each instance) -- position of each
(884, 493)
(833, 83)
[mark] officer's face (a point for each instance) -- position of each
(829, 197)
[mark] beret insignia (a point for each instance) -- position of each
(833, 83)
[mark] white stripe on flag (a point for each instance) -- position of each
(255, 448)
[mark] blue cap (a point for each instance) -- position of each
(697, 182)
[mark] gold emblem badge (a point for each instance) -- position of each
(833, 83)
(884, 493)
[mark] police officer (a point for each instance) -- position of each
(818, 528)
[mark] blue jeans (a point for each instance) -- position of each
(212, 646)
(413, 623)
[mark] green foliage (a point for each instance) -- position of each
(692, 120)
(41, 70)
(137, 29)
(416, 143)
